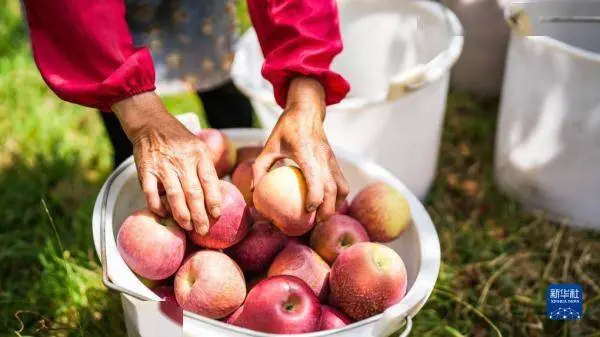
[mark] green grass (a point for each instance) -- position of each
(497, 259)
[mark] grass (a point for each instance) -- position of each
(497, 259)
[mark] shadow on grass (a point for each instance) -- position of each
(50, 279)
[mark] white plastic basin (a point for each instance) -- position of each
(121, 195)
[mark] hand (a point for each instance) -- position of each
(167, 153)
(299, 135)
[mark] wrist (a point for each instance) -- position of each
(306, 95)
(136, 112)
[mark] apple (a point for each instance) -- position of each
(280, 304)
(382, 210)
(242, 179)
(211, 284)
(344, 208)
(281, 196)
(248, 152)
(301, 261)
(332, 318)
(169, 305)
(232, 226)
(366, 279)
(222, 150)
(331, 237)
(152, 247)
(256, 252)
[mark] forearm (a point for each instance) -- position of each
(306, 96)
(299, 38)
(135, 112)
(85, 53)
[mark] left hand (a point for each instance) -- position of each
(299, 135)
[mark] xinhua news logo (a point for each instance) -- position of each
(564, 302)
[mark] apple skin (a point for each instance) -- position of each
(169, 305)
(301, 261)
(231, 227)
(255, 253)
(152, 247)
(248, 152)
(211, 284)
(242, 179)
(329, 238)
(382, 210)
(366, 279)
(332, 318)
(344, 208)
(281, 197)
(222, 149)
(280, 304)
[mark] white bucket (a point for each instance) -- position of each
(548, 137)
(397, 56)
(121, 195)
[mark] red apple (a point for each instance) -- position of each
(242, 179)
(366, 279)
(332, 318)
(382, 210)
(301, 261)
(210, 284)
(169, 305)
(259, 248)
(152, 247)
(280, 304)
(248, 152)
(344, 208)
(233, 317)
(231, 227)
(222, 149)
(281, 196)
(331, 237)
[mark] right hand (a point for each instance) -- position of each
(167, 153)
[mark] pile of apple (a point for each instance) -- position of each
(265, 264)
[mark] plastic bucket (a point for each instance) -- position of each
(548, 137)
(397, 56)
(121, 195)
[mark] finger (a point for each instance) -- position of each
(194, 197)
(211, 187)
(327, 208)
(150, 189)
(262, 164)
(176, 199)
(310, 169)
(343, 189)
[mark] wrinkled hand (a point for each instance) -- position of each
(167, 153)
(299, 135)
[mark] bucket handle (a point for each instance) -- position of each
(423, 74)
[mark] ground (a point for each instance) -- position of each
(497, 259)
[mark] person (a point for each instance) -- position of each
(86, 54)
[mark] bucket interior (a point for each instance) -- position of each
(381, 39)
(130, 198)
(384, 38)
(578, 34)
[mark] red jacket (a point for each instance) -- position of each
(85, 53)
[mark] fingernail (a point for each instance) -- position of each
(216, 212)
(187, 225)
(311, 208)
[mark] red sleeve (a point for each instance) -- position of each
(299, 37)
(85, 52)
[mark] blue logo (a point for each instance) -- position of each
(564, 301)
